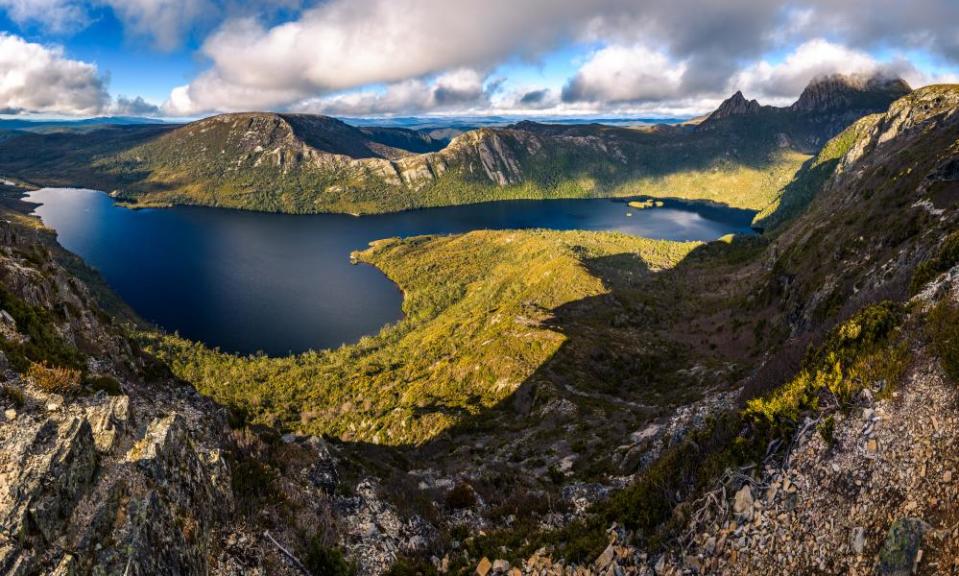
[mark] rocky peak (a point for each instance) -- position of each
(840, 91)
(735, 105)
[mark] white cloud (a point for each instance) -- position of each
(56, 16)
(626, 74)
(781, 83)
(164, 22)
(462, 89)
(40, 79)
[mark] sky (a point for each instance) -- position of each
(371, 58)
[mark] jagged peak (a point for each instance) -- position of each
(833, 91)
(735, 105)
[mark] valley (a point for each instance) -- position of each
(561, 400)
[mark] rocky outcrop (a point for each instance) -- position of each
(840, 92)
(128, 471)
(735, 105)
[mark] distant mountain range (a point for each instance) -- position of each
(31, 124)
(742, 154)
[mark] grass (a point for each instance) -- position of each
(476, 308)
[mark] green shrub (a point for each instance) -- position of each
(856, 354)
(946, 257)
(43, 344)
(103, 382)
(942, 325)
(460, 497)
(13, 394)
(827, 429)
(326, 561)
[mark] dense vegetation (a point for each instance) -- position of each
(476, 312)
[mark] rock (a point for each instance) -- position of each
(66, 567)
(500, 566)
(900, 551)
(10, 414)
(947, 476)
(483, 568)
(606, 558)
(743, 504)
(857, 539)
(66, 466)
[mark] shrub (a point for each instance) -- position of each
(327, 561)
(856, 353)
(14, 395)
(946, 257)
(827, 429)
(54, 380)
(942, 325)
(460, 497)
(103, 382)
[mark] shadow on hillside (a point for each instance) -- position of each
(621, 365)
(65, 158)
(798, 193)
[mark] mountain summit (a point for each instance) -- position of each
(842, 92)
(735, 105)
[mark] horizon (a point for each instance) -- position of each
(372, 59)
(466, 119)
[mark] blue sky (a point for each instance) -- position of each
(188, 58)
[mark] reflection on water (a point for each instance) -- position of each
(248, 281)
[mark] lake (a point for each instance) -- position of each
(277, 283)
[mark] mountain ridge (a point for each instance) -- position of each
(742, 155)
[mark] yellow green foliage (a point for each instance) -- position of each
(473, 331)
(858, 353)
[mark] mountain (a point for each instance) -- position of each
(741, 155)
(735, 105)
(843, 92)
(554, 402)
(42, 125)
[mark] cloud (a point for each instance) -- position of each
(56, 16)
(164, 22)
(134, 107)
(626, 74)
(649, 50)
(781, 83)
(40, 79)
(459, 90)
(534, 97)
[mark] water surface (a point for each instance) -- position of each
(250, 281)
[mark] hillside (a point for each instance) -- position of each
(528, 394)
(562, 401)
(742, 156)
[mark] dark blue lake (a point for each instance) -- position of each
(250, 281)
